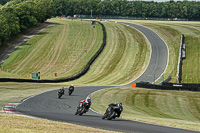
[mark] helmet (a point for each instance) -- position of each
(88, 99)
(119, 104)
(72, 85)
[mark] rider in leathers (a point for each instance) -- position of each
(62, 90)
(113, 105)
(87, 100)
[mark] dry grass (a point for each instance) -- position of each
(17, 124)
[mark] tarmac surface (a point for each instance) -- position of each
(48, 106)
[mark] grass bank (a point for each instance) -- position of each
(59, 49)
(170, 108)
(124, 58)
(11, 123)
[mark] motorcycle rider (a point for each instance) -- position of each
(62, 90)
(71, 87)
(86, 100)
(112, 105)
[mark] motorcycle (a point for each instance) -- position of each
(60, 93)
(112, 112)
(83, 108)
(71, 89)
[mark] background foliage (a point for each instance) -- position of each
(18, 15)
(180, 9)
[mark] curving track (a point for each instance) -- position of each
(48, 106)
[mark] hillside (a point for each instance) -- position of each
(59, 49)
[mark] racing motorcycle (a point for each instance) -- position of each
(60, 93)
(71, 89)
(113, 111)
(83, 107)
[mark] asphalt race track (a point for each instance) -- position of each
(48, 106)
(159, 55)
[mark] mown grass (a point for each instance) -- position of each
(170, 32)
(11, 123)
(124, 58)
(59, 49)
(171, 108)
(15, 38)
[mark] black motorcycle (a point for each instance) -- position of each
(113, 111)
(71, 89)
(60, 93)
(83, 108)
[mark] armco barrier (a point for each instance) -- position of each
(180, 61)
(170, 86)
(166, 80)
(86, 68)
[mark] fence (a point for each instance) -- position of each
(170, 86)
(128, 17)
(182, 55)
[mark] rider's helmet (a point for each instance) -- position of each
(88, 99)
(72, 85)
(119, 104)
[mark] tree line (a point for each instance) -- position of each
(170, 9)
(2, 2)
(18, 15)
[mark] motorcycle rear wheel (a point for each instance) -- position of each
(70, 93)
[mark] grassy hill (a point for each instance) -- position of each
(124, 58)
(170, 108)
(59, 49)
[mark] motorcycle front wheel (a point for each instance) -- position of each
(112, 115)
(59, 96)
(104, 116)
